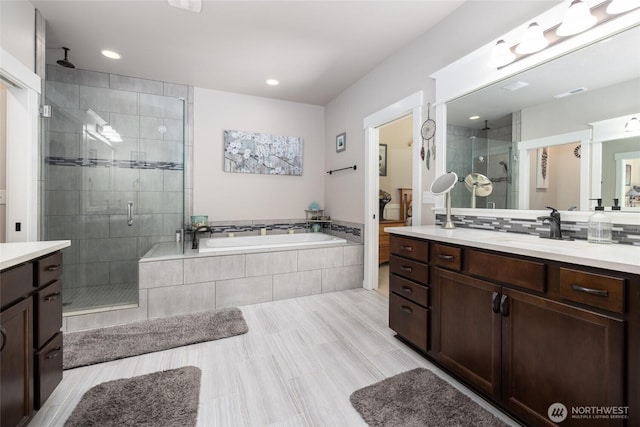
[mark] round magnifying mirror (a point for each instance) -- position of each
(444, 183)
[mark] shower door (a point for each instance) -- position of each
(113, 185)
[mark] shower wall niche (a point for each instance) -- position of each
(113, 168)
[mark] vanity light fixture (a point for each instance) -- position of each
(621, 6)
(633, 125)
(272, 82)
(533, 40)
(501, 55)
(474, 117)
(111, 54)
(578, 18)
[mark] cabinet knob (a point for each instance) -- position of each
(54, 267)
(406, 248)
(407, 269)
(407, 309)
(52, 297)
(495, 302)
(504, 305)
(53, 353)
(446, 257)
(407, 289)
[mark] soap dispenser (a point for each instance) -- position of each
(616, 207)
(599, 226)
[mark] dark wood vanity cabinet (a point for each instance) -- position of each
(30, 337)
(409, 293)
(527, 333)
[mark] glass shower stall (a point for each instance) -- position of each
(493, 158)
(113, 180)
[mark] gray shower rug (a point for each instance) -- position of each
(167, 398)
(117, 342)
(419, 398)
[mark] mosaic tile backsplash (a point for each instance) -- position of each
(346, 230)
(621, 233)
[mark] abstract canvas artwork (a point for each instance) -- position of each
(252, 152)
(542, 168)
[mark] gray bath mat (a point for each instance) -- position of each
(117, 342)
(167, 398)
(419, 398)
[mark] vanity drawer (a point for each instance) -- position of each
(48, 366)
(15, 284)
(410, 248)
(518, 272)
(48, 269)
(410, 290)
(48, 311)
(593, 289)
(416, 271)
(409, 320)
(446, 256)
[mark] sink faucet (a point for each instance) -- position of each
(555, 232)
(194, 245)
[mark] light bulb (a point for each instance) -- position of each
(501, 55)
(533, 40)
(577, 19)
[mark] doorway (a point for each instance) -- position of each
(395, 187)
(410, 106)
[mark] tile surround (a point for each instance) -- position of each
(172, 284)
(626, 234)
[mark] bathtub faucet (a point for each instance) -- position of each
(194, 245)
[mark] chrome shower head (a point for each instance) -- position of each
(65, 62)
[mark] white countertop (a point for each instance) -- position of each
(612, 257)
(16, 253)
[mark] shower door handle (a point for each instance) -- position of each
(130, 214)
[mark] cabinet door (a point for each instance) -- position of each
(554, 353)
(16, 364)
(466, 329)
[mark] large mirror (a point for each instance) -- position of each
(531, 134)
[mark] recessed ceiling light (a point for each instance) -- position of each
(515, 86)
(111, 54)
(273, 82)
(474, 117)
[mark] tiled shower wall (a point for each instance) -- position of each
(87, 183)
(464, 146)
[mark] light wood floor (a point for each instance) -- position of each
(297, 365)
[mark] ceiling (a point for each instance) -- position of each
(590, 68)
(316, 49)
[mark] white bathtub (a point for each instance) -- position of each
(268, 242)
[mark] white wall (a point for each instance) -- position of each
(233, 196)
(469, 27)
(579, 110)
(17, 30)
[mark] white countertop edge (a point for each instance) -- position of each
(623, 258)
(12, 254)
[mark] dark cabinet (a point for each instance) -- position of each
(30, 337)
(552, 352)
(524, 332)
(467, 338)
(409, 296)
(16, 364)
